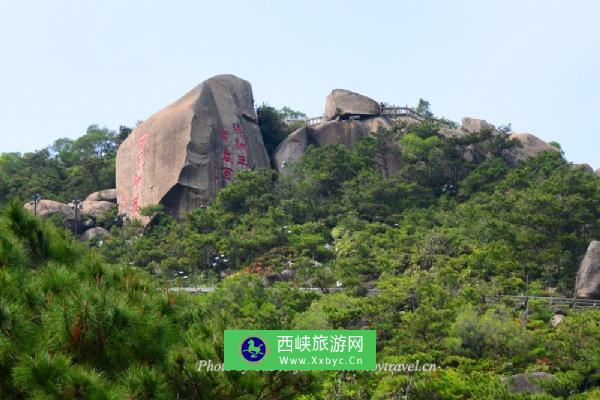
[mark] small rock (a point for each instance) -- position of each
(527, 382)
(287, 274)
(103, 195)
(556, 320)
(94, 233)
(273, 277)
(474, 125)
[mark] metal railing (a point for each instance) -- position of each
(562, 301)
(391, 112)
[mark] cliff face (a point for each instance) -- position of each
(181, 156)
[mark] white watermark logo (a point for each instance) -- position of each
(417, 366)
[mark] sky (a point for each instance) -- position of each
(67, 64)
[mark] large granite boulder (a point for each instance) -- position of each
(585, 167)
(95, 209)
(530, 147)
(343, 103)
(468, 126)
(474, 125)
(181, 156)
(530, 382)
(48, 208)
(346, 132)
(93, 233)
(103, 195)
(588, 276)
(291, 149)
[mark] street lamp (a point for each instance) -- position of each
(219, 262)
(76, 206)
(35, 199)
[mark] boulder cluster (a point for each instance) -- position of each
(183, 155)
(350, 116)
(89, 212)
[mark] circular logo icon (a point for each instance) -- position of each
(253, 349)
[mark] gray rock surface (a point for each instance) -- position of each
(528, 382)
(597, 172)
(343, 103)
(95, 208)
(287, 274)
(585, 167)
(103, 195)
(531, 146)
(48, 208)
(474, 125)
(469, 125)
(291, 149)
(346, 132)
(181, 156)
(556, 320)
(93, 233)
(588, 276)
(452, 132)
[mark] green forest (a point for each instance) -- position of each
(442, 240)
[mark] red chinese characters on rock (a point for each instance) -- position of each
(240, 147)
(137, 176)
(226, 158)
(235, 152)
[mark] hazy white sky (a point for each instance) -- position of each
(66, 64)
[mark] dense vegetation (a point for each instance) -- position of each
(66, 170)
(440, 237)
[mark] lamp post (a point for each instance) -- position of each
(76, 207)
(219, 262)
(35, 199)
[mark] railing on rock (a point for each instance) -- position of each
(391, 112)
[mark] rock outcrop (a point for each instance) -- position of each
(93, 233)
(469, 125)
(346, 132)
(588, 276)
(585, 167)
(528, 382)
(597, 172)
(530, 147)
(88, 213)
(103, 195)
(343, 103)
(474, 125)
(48, 208)
(96, 209)
(181, 156)
(291, 149)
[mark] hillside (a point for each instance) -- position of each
(441, 236)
